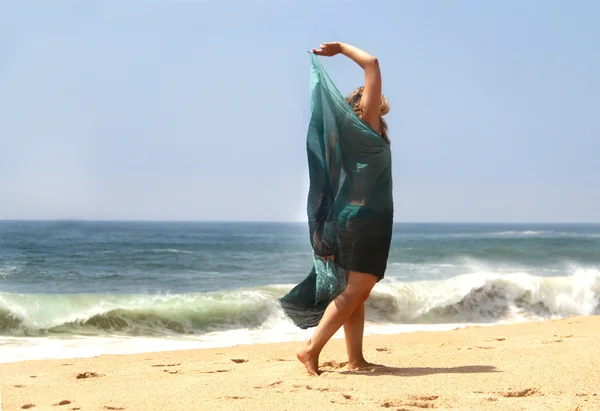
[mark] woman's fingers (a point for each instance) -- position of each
(324, 49)
(327, 49)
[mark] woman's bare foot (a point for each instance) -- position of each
(310, 362)
(362, 365)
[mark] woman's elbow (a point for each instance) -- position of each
(373, 62)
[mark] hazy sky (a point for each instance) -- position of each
(198, 110)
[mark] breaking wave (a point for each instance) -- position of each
(470, 298)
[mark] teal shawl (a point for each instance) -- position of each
(350, 204)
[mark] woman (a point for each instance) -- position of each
(350, 208)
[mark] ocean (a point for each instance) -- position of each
(82, 288)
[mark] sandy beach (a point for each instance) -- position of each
(551, 365)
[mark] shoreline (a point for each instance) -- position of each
(94, 346)
(550, 364)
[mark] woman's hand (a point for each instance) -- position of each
(328, 49)
(371, 97)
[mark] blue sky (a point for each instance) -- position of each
(198, 110)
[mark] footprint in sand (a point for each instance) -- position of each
(213, 372)
(88, 374)
(335, 364)
(273, 384)
(558, 340)
(238, 360)
(415, 401)
(497, 339)
(308, 387)
(420, 404)
(394, 404)
(424, 397)
(527, 392)
(63, 402)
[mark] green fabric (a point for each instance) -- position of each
(350, 205)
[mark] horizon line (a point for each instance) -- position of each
(279, 221)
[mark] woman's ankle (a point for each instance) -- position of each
(357, 361)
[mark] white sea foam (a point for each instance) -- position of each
(172, 250)
(517, 233)
(9, 270)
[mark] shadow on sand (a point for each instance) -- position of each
(419, 371)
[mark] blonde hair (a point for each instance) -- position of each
(384, 108)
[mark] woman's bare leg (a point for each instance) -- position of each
(354, 328)
(337, 313)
